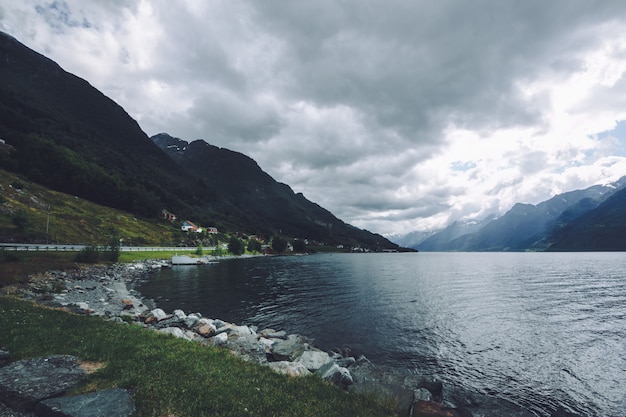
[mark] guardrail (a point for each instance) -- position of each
(78, 248)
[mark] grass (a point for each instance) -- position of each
(71, 219)
(173, 377)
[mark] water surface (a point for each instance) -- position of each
(540, 329)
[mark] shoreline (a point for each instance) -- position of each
(108, 291)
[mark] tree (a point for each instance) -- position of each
(235, 246)
(254, 246)
(299, 246)
(279, 245)
(114, 246)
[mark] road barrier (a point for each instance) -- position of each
(78, 248)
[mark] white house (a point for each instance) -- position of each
(190, 227)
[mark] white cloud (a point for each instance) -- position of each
(395, 116)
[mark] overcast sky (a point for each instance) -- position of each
(396, 115)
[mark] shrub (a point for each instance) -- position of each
(89, 255)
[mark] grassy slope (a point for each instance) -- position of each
(172, 377)
(72, 219)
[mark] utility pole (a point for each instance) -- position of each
(48, 224)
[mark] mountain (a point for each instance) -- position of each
(70, 137)
(441, 241)
(528, 226)
(412, 239)
(66, 135)
(602, 228)
(239, 179)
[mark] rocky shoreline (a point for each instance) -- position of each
(108, 291)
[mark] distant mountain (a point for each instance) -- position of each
(528, 226)
(411, 240)
(66, 135)
(441, 241)
(602, 228)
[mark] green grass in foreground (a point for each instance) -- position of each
(172, 377)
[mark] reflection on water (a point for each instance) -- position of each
(541, 329)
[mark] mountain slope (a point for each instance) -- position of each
(69, 136)
(526, 224)
(65, 134)
(601, 229)
(240, 180)
(441, 241)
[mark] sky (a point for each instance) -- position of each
(395, 115)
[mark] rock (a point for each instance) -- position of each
(220, 339)
(109, 403)
(248, 348)
(219, 323)
(422, 394)
(313, 359)
(26, 382)
(266, 344)
(191, 321)
(289, 349)
(289, 368)
(174, 331)
(241, 331)
(433, 409)
(345, 362)
(339, 376)
(180, 314)
(434, 386)
(206, 330)
(83, 305)
(273, 334)
(159, 314)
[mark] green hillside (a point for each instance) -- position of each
(24, 218)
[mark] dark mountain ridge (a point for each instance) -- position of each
(68, 136)
(240, 179)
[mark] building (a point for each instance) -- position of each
(190, 227)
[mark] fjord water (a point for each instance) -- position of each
(543, 330)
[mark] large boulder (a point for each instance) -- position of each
(289, 349)
(109, 403)
(289, 368)
(334, 373)
(313, 359)
(26, 382)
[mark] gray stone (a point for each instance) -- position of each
(313, 359)
(107, 403)
(174, 331)
(288, 350)
(422, 394)
(334, 373)
(159, 314)
(273, 334)
(289, 368)
(26, 382)
(345, 362)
